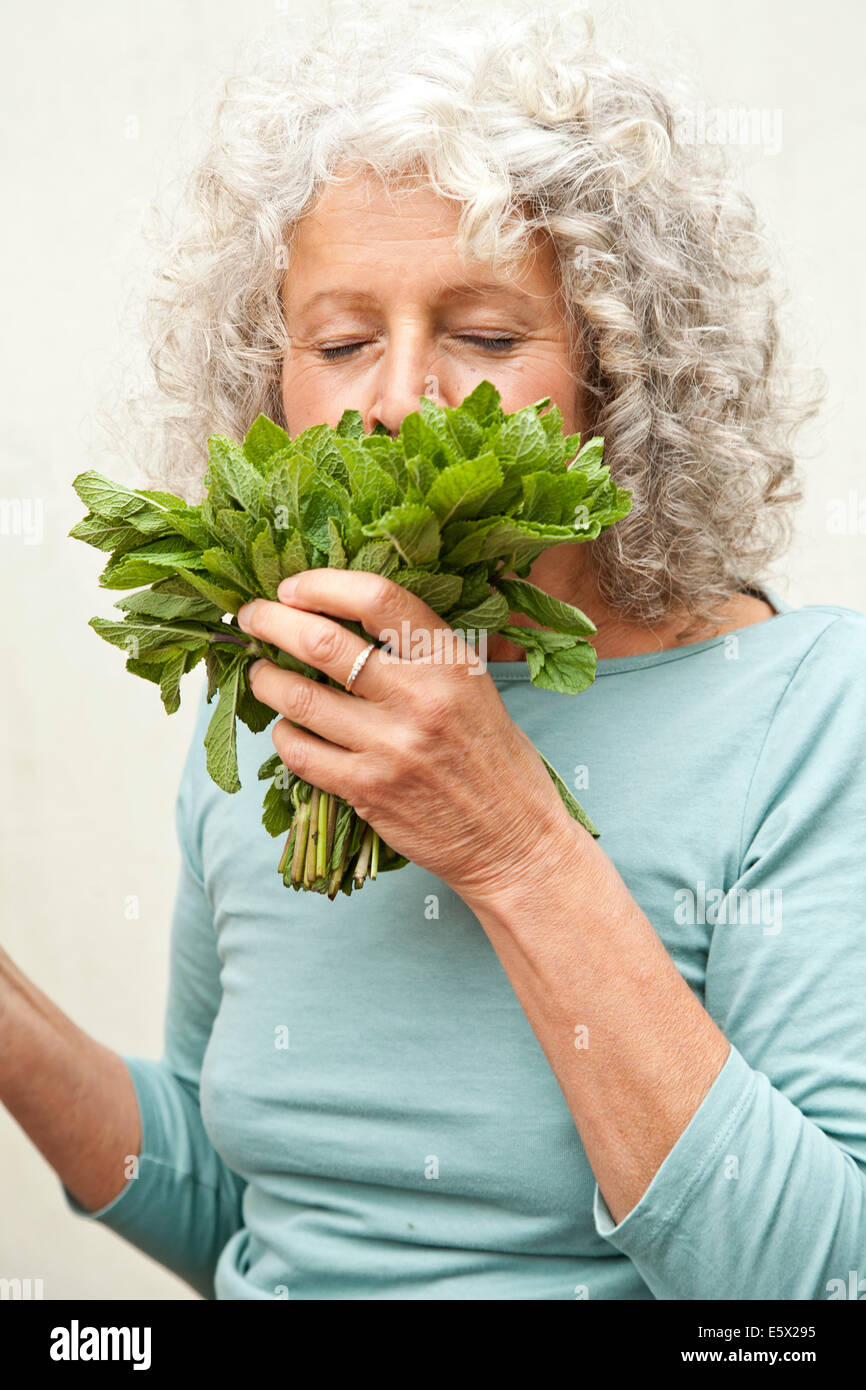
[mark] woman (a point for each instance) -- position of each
(530, 1065)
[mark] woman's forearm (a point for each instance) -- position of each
(71, 1095)
(632, 1048)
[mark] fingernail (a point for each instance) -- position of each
(255, 666)
(245, 613)
(287, 587)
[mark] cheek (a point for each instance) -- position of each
(309, 397)
(545, 371)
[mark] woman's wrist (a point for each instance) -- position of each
(516, 889)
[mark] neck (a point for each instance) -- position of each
(567, 576)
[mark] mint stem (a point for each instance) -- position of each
(303, 821)
(322, 835)
(336, 878)
(281, 867)
(332, 822)
(249, 644)
(312, 839)
(363, 857)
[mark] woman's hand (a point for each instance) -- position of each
(422, 747)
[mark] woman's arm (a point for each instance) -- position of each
(693, 1147)
(71, 1095)
(632, 1048)
(732, 1163)
(181, 1202)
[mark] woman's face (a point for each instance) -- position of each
(380, 310)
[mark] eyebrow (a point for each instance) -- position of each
(473, 290)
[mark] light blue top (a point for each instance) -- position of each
(351, 1102)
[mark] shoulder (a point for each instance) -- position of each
(815, 738)
(825, 642)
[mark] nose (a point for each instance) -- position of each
(404, 374)
(397, 400)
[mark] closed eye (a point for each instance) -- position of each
(491, 344)
(334, 354)
(337, 354)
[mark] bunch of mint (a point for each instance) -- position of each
(455, 508)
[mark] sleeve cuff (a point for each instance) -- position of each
(700, 1146)
(130, 1199)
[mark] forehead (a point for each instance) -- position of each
(364, 229)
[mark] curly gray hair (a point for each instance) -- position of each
(514, 112)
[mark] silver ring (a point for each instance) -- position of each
(359, 666)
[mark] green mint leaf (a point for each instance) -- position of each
(464, 430)
(279, 810)
(353, 535)
(110, 500)
(263, 439)
(575, 810)
(336, 552)
(412, 529)
(483, 404)
(252, 712)
(137, 635)
(220, 741)
(292, 556)
(376, 556)
(420, 439)
(270, 767)
(169, 684)
(153, 522)
(227, 570)
(236, 529)
(230, 469)
(157, 560)
(435, 417)
(154, 603)
(373, 490)
(319, 445)
(542, 498)
(422, 473)
(476, 584)
(439, 591)
(556, 661)
(106, 535)
(388, 454)
(351, 425)
(489, 615)
(189, 523)
(287, 487)
(508, 538)
(462, 489)
(266, 560)
(148, 670)
(326, 500)
(590, 456)
(549, 612)
(226, 600)
(214, 665)
(522, 439)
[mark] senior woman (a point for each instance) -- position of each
(530, 1065)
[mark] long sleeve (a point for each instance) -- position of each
(185, 1202)
(764, 1194)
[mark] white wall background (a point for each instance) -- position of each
(90, 761)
